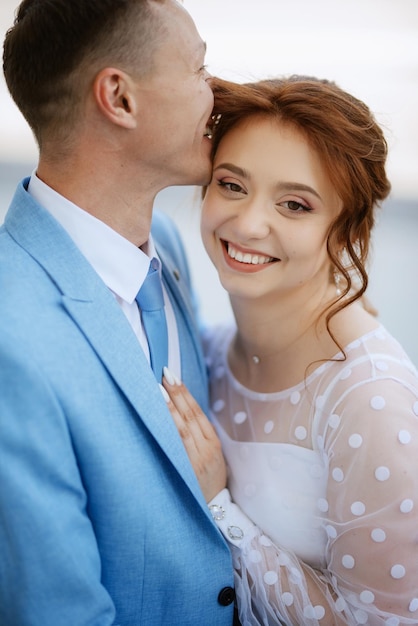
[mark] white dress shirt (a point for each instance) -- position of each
(119, 263)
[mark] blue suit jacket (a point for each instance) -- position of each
(102, 520)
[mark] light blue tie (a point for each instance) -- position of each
(151, 302)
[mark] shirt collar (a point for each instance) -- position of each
(120, 264)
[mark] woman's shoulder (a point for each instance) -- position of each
(373, 378)
(357, 330)
(371, 357)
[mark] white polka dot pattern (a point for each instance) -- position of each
(268, 427)
(348, 561)
(355, 441)
(382, 473)
(361, 617)
(338, 474)
(378, 403)
(340, 605)
(301, 433)
(334, 421)
(329, 470)
(218, 405)
(378, 535)
(358, 508)
(240, 417)
(407, 505)
(295, 397)
(270, 578)
(413, 605)
(314, 612)
(287, 598)
(331, 531)
(367, 597)
(397, 571)
(404, 436)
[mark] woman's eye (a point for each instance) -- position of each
(295, 206)
(234, 187)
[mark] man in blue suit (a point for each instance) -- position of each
(102, 520)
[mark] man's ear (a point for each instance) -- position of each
(113, 92)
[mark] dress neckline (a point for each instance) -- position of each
(298, 387)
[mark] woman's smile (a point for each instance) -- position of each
(245, 260)
(267, 211)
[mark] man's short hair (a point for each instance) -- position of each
(56, 47)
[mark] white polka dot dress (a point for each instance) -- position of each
(328, 473)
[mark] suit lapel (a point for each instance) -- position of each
(95, 311)
(125, 361)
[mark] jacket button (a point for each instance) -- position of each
(226, 596)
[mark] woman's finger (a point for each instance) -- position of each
(188, 409)
(182, 426)
(198, 435)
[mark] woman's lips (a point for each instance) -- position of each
(244, 260)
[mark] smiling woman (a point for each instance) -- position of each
(315, 404)
(279, 185)
(266, 166)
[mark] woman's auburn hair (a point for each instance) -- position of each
(348, 140)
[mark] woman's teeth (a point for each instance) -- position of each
(253, 259)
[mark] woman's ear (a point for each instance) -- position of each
(114, 95)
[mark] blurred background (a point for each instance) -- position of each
(370, 48)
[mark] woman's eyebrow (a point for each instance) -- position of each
(233, 168)
(290, 186)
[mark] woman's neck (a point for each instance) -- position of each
(278, 343)
(281, 341)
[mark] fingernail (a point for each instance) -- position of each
(169, 376)
(165, 394)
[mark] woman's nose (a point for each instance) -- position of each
(253, 221)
